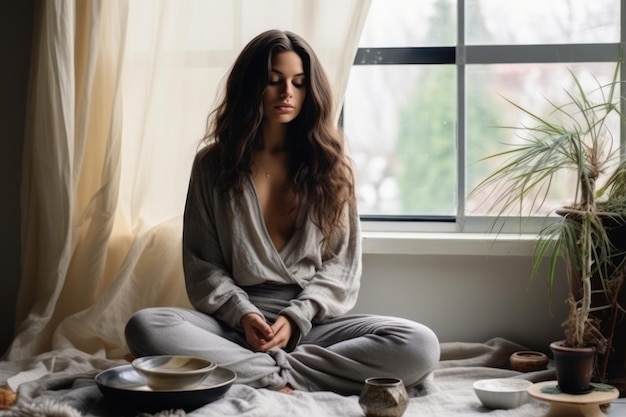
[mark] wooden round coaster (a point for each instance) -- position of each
(568, 405)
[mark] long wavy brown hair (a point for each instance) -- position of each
(321, 171)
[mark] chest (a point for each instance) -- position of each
(278, 203)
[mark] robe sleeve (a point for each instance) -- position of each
(208, 280)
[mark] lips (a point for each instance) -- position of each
(285, 107)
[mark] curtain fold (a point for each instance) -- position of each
(119, 95)
(69, 186)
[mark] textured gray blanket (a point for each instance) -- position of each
(69, 390)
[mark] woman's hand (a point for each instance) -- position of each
(282, 329)
(258, 332)
(261, 336)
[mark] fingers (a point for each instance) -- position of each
(256, 330)
(282, 333)
(281, 323)
(261, 336)
(255, 325)
(277, 342)
(257, 343)
(253, 321)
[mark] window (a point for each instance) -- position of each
(428, 84)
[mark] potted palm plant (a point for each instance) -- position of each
(576, 137)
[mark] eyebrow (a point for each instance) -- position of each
(280, 73)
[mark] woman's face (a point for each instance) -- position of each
(284, 95)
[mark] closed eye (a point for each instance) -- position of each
(298, 84)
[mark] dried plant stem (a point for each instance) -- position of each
(585, 306)
(615, 312)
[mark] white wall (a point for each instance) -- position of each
(465, 298)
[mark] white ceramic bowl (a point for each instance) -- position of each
(173, 372)
(502, 393)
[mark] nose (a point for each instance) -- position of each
(287, 93)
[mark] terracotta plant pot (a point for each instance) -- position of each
(574, 368)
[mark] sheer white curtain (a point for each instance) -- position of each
(120, 91)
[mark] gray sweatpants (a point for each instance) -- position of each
(334, 356)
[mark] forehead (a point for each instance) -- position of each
(287, 63)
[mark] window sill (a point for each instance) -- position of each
(448, 243)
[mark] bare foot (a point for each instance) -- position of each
(287, 389)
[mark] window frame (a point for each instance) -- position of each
(462, 55)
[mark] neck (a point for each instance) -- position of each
(274, 137)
